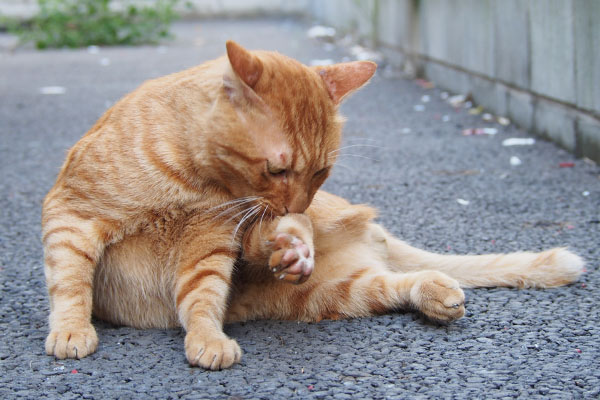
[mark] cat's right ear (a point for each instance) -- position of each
(344, 78)
(247, 66)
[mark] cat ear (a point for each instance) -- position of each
(343, 79)
(247, 66)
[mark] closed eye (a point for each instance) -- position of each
(275, 170)
(321, 172)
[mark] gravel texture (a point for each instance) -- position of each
(511, 343)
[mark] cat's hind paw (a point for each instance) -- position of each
(291, 260)
(438, 296)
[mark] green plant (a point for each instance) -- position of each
(77, 23)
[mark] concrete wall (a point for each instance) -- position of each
(537, 62)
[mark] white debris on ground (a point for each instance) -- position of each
(364, 54)
(463, 202)
(503, 121)
(53, 90)
(487, 117)
(457, 100)
(514, 161)
(321, 32)
(518, 142)
(105, 61)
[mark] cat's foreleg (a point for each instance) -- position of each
(285, 244)
(201, 292)
(73, 243)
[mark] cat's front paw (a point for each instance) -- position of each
(291, 259)
(72, 342)
(438, 296)
(211, 353)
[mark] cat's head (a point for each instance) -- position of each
(282, 142)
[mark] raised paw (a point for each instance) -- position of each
(72, 343)
(438, 296)
(291, 259)
(211, 353)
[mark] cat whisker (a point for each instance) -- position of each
(260, 223)
(354, 145)
(249, 213)
(338, 164)
(244, 211)
(235, 201)
(236, 205)
(350, 139)
(357, 155)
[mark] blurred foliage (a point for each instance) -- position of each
(77, 23)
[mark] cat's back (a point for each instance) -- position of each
(137, 145)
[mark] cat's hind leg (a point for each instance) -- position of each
(350, 292)
(550, 268)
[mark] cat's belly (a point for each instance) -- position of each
(134, 286)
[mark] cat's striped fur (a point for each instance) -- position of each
(248, 127)
(186, 205)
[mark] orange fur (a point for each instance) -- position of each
(183, 164)
(187, 204)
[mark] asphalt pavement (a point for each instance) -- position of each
(435, 187)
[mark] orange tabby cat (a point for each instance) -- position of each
(248, 128)
(344, 265)
(143, 223)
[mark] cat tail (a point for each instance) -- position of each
(550, 268)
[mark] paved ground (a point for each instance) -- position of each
(529, 343)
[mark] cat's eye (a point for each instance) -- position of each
(275, 170)
(321, 172)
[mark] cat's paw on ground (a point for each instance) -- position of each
(291, 259)
(72, 342)
(211, 353)
(438, 296)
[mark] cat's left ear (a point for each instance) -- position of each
(246, 65)
(343, 79)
